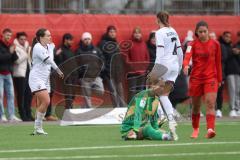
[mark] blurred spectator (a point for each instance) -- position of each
(151, 45)
(7, 57)
(212, 35)
(225, 42)
(112, 72)
(63, 54)
(232, 75)
(20, 69)
(138, 53)
(28, 94)
(188, 38)
(236, 47)
(92, 62)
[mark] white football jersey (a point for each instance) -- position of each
(42, 61)
(39, 56)
(167, 38)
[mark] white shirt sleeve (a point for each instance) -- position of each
(159, 40)
(179, 54)
(160, 48)
(53, 64)
(180, 57)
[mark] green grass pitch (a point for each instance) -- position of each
(104, 142)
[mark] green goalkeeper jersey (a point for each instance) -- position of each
(142, 110)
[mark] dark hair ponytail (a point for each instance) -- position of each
(40, 33)
(200, 24)
(163, 17)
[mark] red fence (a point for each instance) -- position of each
(59, 24)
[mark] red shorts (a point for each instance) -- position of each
(199, 88)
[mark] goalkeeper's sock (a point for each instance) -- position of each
(39, 120)
(151, 133)
(195, 120)
(210, 118)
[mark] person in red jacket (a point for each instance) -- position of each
(205, 76)
(138, 53)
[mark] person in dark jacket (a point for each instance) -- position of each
(7, 57)
(91, 60)
(225, 42)
(112, 72)
(63, 54)
(233, 78)
(151, 45)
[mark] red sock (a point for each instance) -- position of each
(195, 120)
(210, 121)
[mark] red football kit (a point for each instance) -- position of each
(205, 76)
(206, 71)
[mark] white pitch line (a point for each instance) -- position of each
(126, 156)
(185, 123)
(115, 147)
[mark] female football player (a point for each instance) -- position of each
(42, 62)
(205, 76)
(168, 64)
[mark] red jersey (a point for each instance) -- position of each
(206, 60)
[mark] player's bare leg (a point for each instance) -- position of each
(155, 75)
(43, 101)
(210, 114)
(196, 102)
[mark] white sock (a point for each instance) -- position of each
(160, 112)
(166, 137)
(168, 108)
(39, 120)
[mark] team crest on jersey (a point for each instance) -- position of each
(143, 102)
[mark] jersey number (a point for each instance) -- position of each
(174, 39)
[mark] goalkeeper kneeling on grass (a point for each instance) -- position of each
(141, 119)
